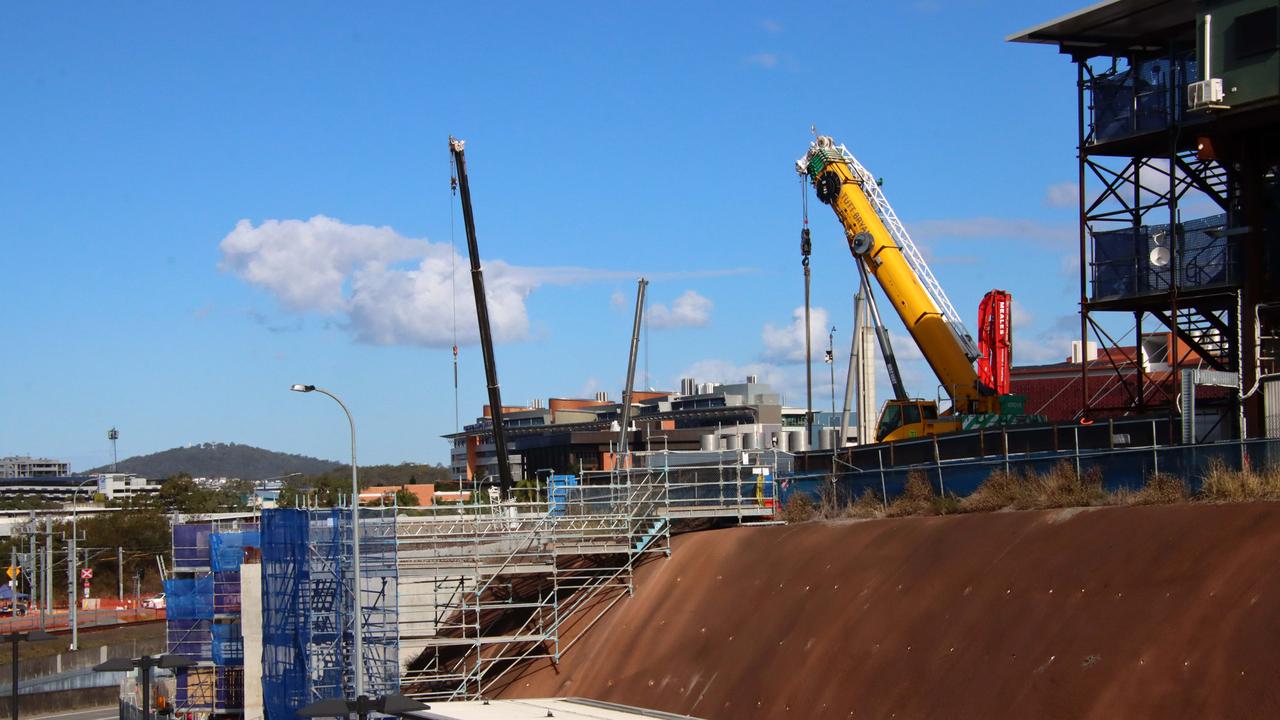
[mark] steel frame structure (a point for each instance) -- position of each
(1142, 179)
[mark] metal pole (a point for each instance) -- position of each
(884, 493)
(13, 682)
(144, 668)
(33, 572)
(71, 582)
(1076, 434)
(831, 359)
(623, 433)
(357, 610)
(119, 573)
(853, 363)
(48, 570)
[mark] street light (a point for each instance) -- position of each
(145, 665)
(355, 540)
(73, 603)
(14, 638)
(362, 706)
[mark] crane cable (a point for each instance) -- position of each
(453, 284)
(806, 247)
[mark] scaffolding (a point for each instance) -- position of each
(308, 626)
(487, 588)
(203, 614)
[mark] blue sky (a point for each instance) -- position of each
(203, 205)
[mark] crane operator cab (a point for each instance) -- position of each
(907, 419)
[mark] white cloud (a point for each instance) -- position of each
(992, 228)
(358, 273)
(617, 300)
(1062, 195)
(765, 60)
(387, 289)
(770, 26)
(688, 310)
(1022, 317)
(306, 263)
(786, 344)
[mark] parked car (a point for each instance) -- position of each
(155, 602)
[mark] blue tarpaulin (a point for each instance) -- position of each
(189, 598)
(226, 549)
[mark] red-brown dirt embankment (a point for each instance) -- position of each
(1164, 611)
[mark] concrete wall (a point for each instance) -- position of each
(251, 628)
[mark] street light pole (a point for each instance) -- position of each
(357, 609)
(144, 665)
(13, 640)
(73, 564)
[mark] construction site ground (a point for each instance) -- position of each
(1160, 611)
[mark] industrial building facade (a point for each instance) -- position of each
(573, 436)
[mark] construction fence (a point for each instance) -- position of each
(1118, 468)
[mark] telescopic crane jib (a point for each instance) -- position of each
(482, 316)
(883, 249)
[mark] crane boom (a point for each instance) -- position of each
(879, 241)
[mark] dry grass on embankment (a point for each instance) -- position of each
(1060, 487)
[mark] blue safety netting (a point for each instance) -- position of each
(226, 549)
(285, 630)
(228, 644)
(191, 545)
(189, 598)
(226, 592)
(190, 638)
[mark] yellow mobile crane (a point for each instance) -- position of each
(882, 248)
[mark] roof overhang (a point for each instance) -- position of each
(1113, 25)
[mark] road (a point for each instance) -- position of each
(107, 712)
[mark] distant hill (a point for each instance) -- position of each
(221, 460)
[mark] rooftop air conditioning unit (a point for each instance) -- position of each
(1090, 353)
(1206, 93)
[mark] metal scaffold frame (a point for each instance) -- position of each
(490, 587)
(203, 614)
(307, 599)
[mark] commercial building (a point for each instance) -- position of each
(119, 486)
(574, 435)
(29, 467)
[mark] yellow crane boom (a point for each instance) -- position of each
(878, 240)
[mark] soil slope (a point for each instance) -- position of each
(1167, 611)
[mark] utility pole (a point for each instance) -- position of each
(120, 573)
(33, 572)
(72, 602)
(831, 360)
(48, 570)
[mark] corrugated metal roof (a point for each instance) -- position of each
(1112, 23)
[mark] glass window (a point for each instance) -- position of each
(910, 414)
(890, 420)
